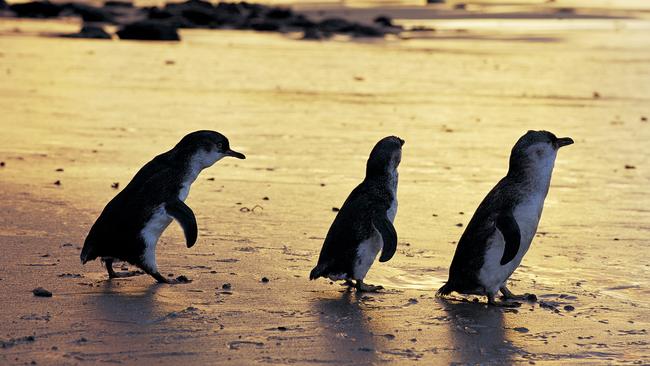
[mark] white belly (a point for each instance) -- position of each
(151, 233)
(493, 275)
(366, 254)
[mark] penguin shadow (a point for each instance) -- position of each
(478, 332)
(347, 334)
(121, 305)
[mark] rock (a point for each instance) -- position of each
(435, 1)
(279, 13)
(360, 30)
(569, 307)
(157, 13)
(36, 9)
(383, 21)
(149, 30)
(301, 21)
(521, 329)
(314, 34)
(335, 25)
(41, 292)
(265, 280)
(226, 286)
(183, 279)
(90, 31)
(336, 209)
(199, 17)
(264, 25)
(118, 4)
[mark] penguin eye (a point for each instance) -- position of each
(219, 145)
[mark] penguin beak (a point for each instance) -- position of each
(563, 141)
(235, 154)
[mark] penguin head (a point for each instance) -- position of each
(385, 156)
(536, 150)
(206, 147)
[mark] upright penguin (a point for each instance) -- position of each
(131, 223)
(364, 224)
(502, 228)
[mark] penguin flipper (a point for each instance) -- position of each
(388, 235)
(509, 228)
(184, 215)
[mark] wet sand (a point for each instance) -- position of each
(306, 114)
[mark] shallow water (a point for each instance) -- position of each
(306, 114)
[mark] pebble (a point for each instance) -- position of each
(41, 292)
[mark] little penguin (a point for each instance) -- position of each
(131, 223)
(504, 225)
(364, 224)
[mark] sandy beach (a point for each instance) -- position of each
(90, 113)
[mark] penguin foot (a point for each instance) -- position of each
(348, 283)
(502, 304)
(125, 274)
(507, 295)
(364, 287)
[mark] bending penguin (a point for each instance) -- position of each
(364, 224)
(502, 228)
(131, 223)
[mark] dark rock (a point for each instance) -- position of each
(41, 292)
(118, 4)
(88, 13)
(435, 1)
(149, 30)
(199, 17)
(157, 13)
(265, 280)
(36, 9)
(263, 25)
(314, 34)
(521, 329)
(279, 13)
(383, 21)
(226, 286)
(228, 8)
(90, 31)
(190, 4)
(335, 209)
(183, 279)
(569, 308)
(360, 30)
(335, 25)
(301, 21)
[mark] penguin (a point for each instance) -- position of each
(364, 224)
(131, 223)
(504, 224)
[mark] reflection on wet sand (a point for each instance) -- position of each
(113, 304)
(347, 334)
(478, 332)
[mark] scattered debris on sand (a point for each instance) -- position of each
(162, 23)
(41, 292)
